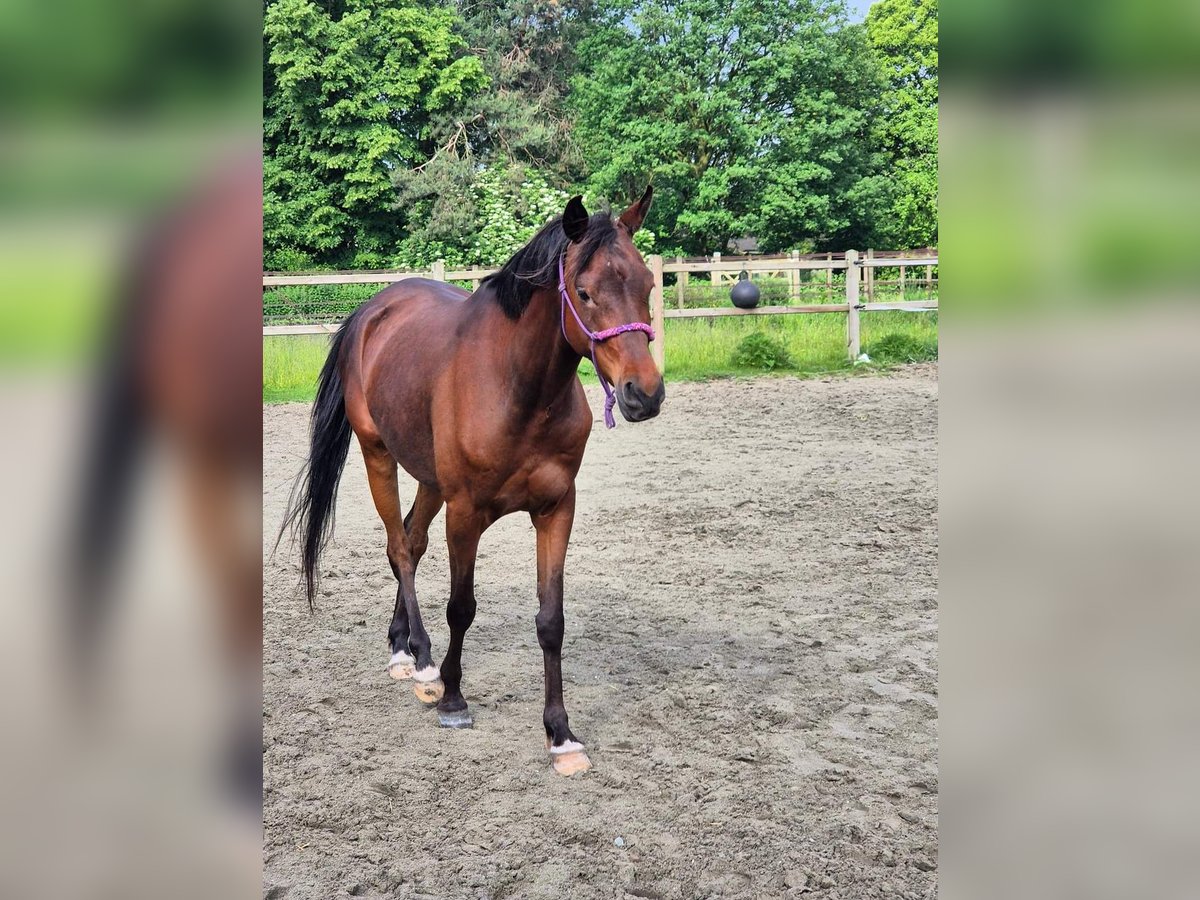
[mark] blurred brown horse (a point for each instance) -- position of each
(478, 398)
(182, 369)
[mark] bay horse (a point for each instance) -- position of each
(478, 398)
(181, 370)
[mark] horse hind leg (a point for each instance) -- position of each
(428, 502)
(408, 640)
(463, 529)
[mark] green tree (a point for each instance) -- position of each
(351, 87)
(751, 117)
(526, 48)
(904, 35)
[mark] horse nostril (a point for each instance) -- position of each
(635, 400)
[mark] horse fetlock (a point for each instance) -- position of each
(427, 674)
(558, 732)
(422, 651)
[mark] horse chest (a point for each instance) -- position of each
(535, 483)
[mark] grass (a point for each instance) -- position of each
(291, 364)
(696, 349)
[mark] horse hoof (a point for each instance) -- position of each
(429, 692)
(427, 685)
(401, 666)
(458, 719)
(569, 759)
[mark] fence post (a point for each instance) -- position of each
(902, 284)
(869, 277)
(929, 282)
(794, 278)
(475, 281)
(852, 274)
(829, 277)
(439, 270)
(681, 284)
(658, 345)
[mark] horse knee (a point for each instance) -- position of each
(550, 626)
(460, 611)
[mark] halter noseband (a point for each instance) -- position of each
(594, 337)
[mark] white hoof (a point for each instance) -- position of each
(401, 665)
(569, 759)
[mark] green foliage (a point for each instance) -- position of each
(527, 48)
(758, 350)
(306, 304)
(898, 347)
(509, 203)
(749, 117)
(350, 89)
(518, 124)
(398, 132)
(291, 365)
(904, 36)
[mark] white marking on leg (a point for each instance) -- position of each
(400, 658)
(427, 674)
(567, 747)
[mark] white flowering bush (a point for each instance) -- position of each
(511, 211)
(511, 203)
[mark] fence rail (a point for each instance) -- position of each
(859, 272)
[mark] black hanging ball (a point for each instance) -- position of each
(745, 293)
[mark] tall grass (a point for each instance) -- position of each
(291, 364)
(695, 348)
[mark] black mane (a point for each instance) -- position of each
(536, 264)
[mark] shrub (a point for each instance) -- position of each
(758, 350)
(287, 259)
(901, 348)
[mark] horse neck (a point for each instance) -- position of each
(543, 363)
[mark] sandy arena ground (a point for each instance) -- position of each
(750, 656)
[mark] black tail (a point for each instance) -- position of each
(310, 513)
(113, 450)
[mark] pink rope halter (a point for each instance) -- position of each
(595, 337)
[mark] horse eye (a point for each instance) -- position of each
(584, 295)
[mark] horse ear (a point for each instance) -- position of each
(633, 217)
(575, 220)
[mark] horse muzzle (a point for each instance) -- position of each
(637, 405)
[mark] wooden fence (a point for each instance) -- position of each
(860, 278)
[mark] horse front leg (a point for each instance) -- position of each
(553, 534)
